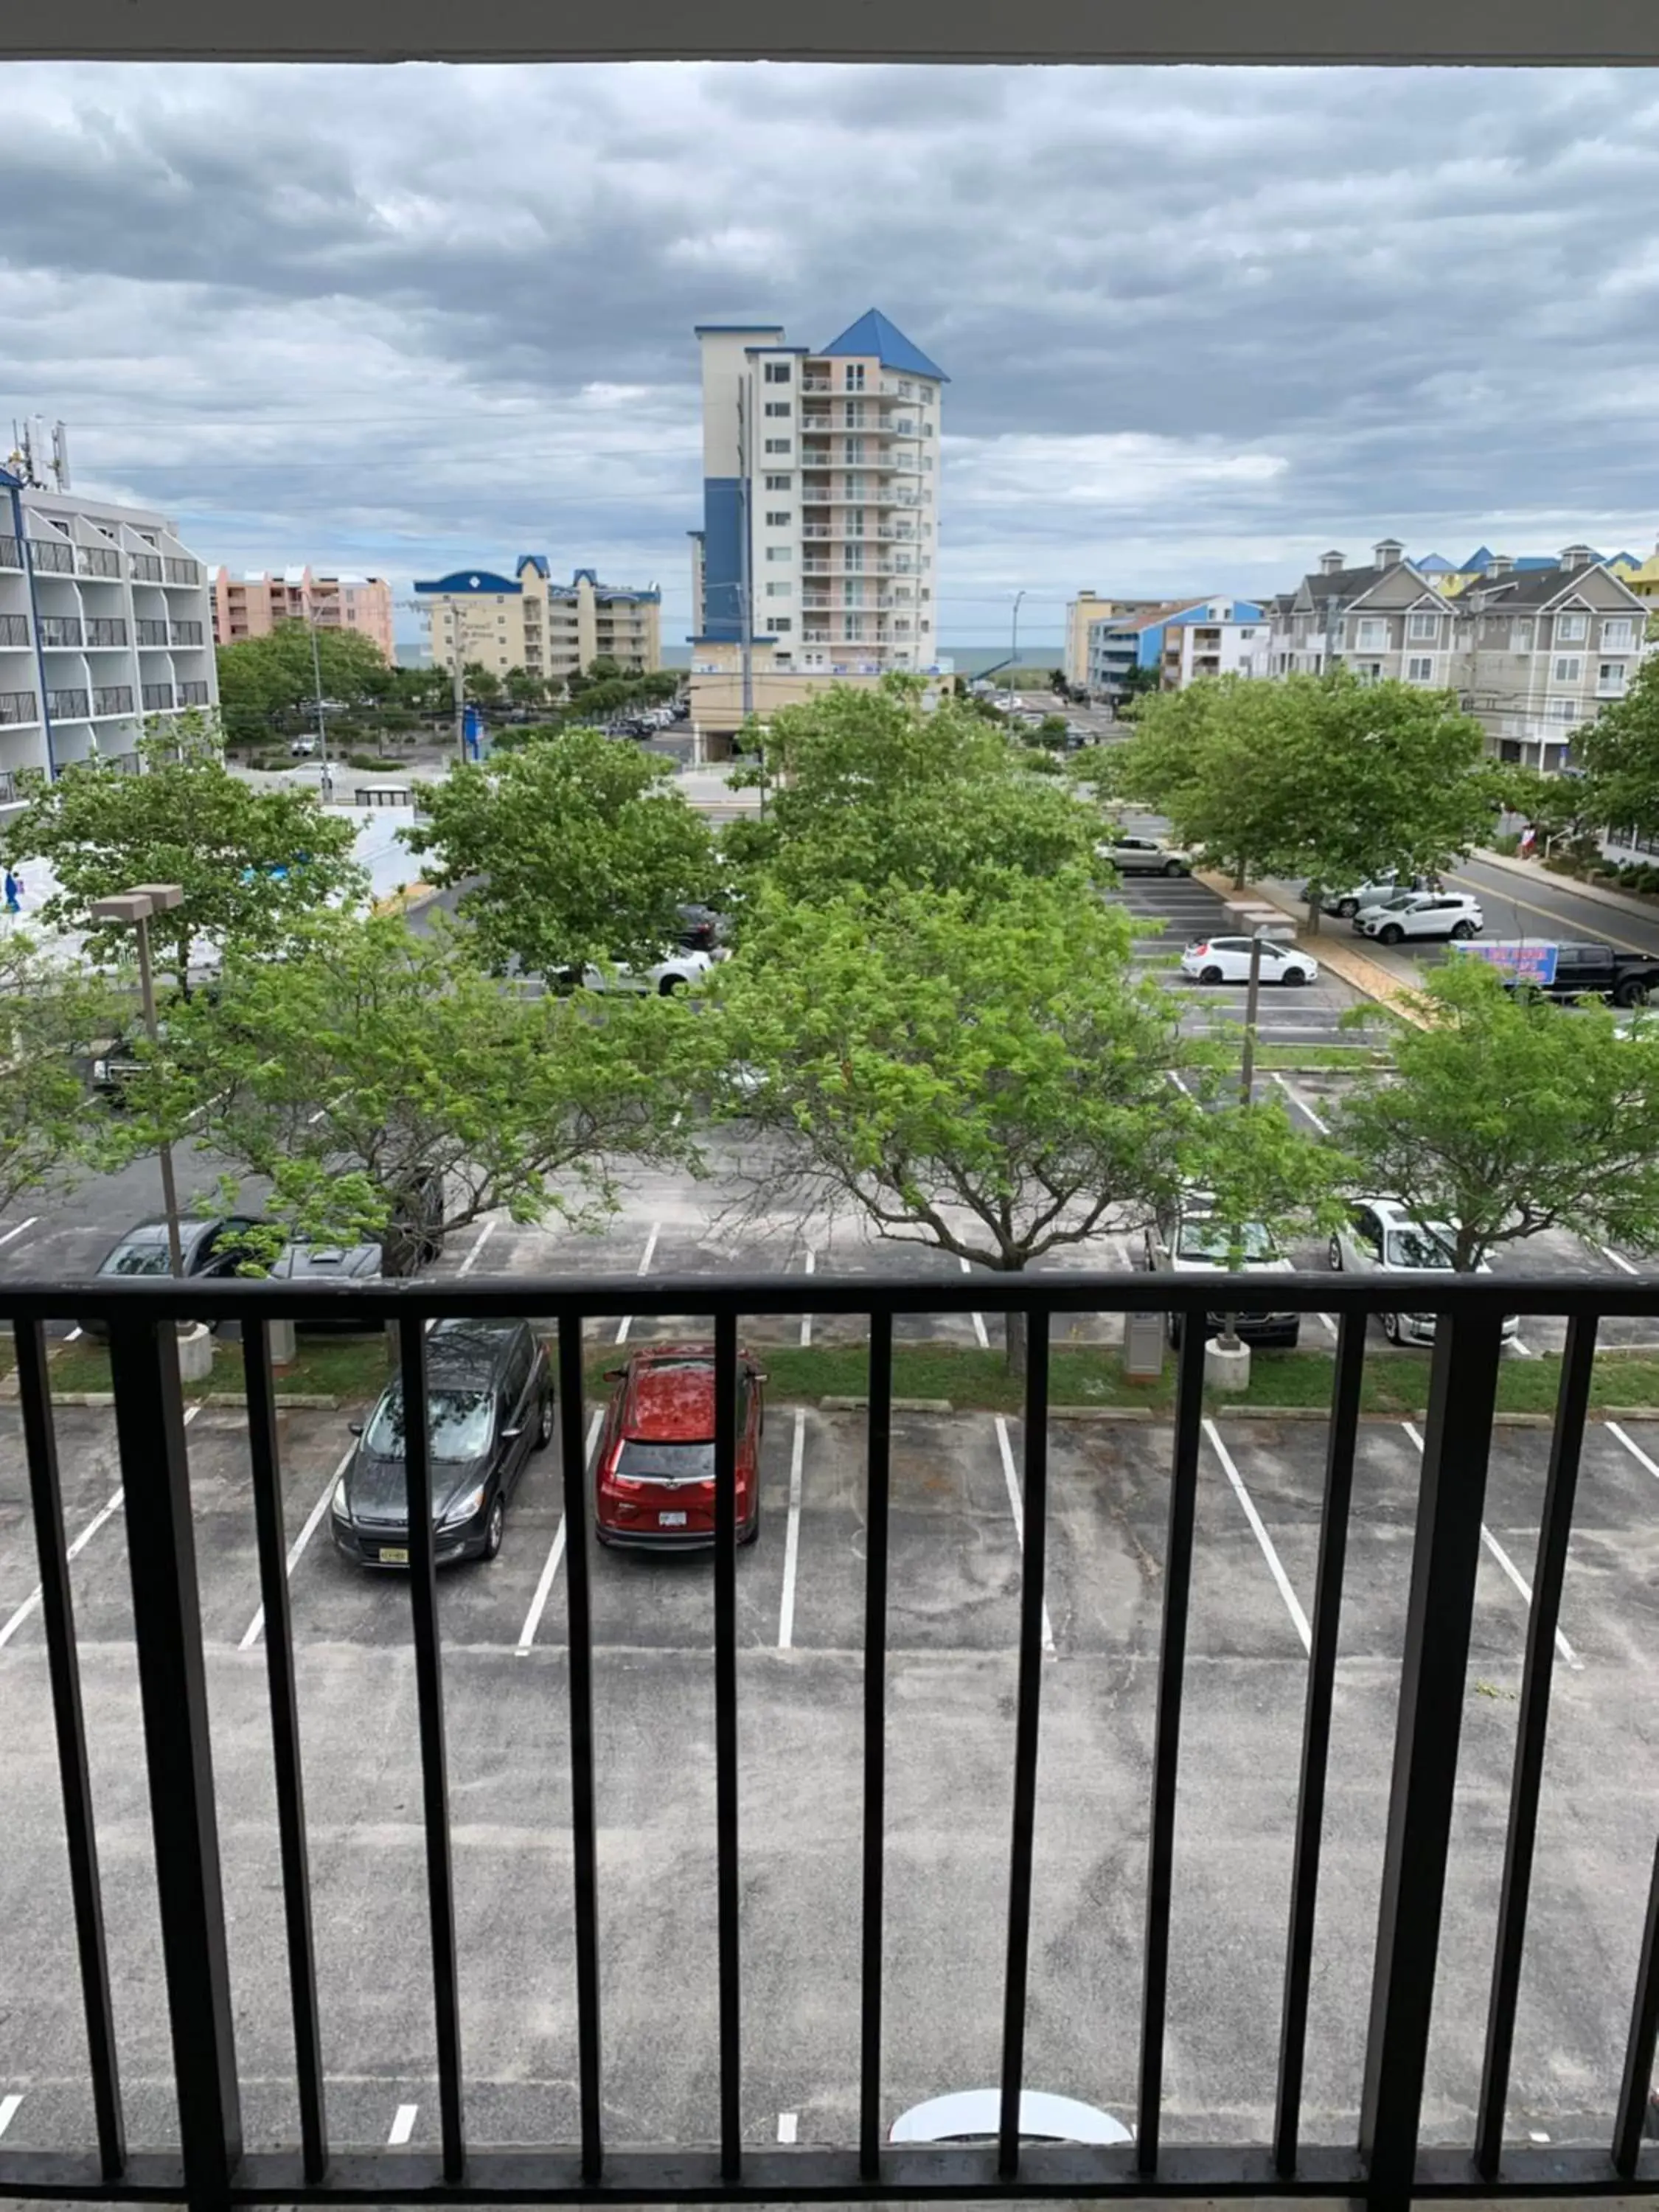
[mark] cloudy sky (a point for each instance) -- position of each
(1200, 324)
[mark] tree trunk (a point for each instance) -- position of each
(1240, 868)
(1013, 1341)
(1316, 908)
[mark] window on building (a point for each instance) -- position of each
(778, 372)
(1520, 637)
(1561, 710)
(852, 451)
(1618, 633)
(1612, 677)
(854, 378)
(1423, 628)
(778, 518)
(1571, 630)
(779, 484)
(783, 621)
(779, 445)
(780, 552)
(779, 591)
(1569, 669)
(1370, 634)
(1420, 670)
(778, 407)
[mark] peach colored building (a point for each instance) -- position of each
(252, 605)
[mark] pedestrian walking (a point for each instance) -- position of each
(1528, 839)
(13, 891)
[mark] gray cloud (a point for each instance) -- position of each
(1199, 323)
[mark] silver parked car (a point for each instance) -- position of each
(1145, 856)
(1381, 1236)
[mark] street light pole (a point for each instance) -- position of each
(1013, 650)
(133, 909)
(317, 678)
(1252, 997)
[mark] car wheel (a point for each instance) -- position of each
(1334, 1254)
(494, 1527)
(545, 1425)
(1172, 868)
(1348, 908)
(749, 1535)
(670, 987)
(1391, 933)
(1633, 993)
(1296, 975)
(1391, 1327)
(1462, 929)
(1211, 976)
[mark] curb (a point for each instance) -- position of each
(1633, 907)
(894, 1405)
(307, 1400)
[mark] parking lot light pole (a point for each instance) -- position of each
(133, 910)
(1013, 650)
(1252, 998)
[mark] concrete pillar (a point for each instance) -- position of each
(1226, 1366)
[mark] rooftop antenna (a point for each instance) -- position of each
(60, 465)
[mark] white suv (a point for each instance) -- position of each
(1421, 913)
(1382, 1237)
(675, 972)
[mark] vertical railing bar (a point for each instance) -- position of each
(584, 1853)
(69, 1720)
(434, 1781)
(1439, 1618)
(1316, 1729)
(879, 1452)
(1554, 1532)
(265, 1463)
(1027, 1728)
(1637, 2087)
(1172, 1674)
(167, 1619)
(726, 1739)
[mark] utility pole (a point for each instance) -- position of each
(745, 612)
(1013, 650)
(459, 673)
(1252, 1001)
(317, 679)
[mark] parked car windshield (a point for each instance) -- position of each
(658, 1462)
(138, 1259)
(458, 1422)
(1213, 1240)
(1419, 1247)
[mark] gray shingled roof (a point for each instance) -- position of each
(1527, 587)
(1343, 584)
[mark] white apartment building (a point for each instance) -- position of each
(106, 619)
(1220, 637)
(821, 507)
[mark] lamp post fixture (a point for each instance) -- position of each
(133, 910)
(1014, 651)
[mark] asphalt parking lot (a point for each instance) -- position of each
(954, 1592)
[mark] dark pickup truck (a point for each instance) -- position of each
(1581, 971)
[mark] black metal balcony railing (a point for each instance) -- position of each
(69, 706)
(50, 559)
(18, 706)
(146, 567)
(186, 633)
(107, 630)
(151, 632)
(157, 697)
(183, 571)
(112, 699)
(13, 629)
(11, 553)
(1386, 2169)
(60, 630)
(193, 695)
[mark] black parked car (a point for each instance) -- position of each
(489, 1405)
(702, 930)
(330, 1263)
(207, 1247)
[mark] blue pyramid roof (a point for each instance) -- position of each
(874, 334)
(1434, 564)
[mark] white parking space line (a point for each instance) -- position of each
(1507, 1565)
(9, 2109)
(978, 1319)
(404, 2126)
(73, 1333)
(20, 1227)
(1301, 1105)
(1275, 1565)
(1017, 1507)
(484, 1235)
(806, 1318)
(644, 1268)
(792, 1536)
(1177, 1082)
(75, 1550)
(256, 1627)
(1634, 1449)
(1618, 1259)
(532, 1620)
(788, 2124)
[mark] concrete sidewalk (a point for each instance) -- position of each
(1643, 910)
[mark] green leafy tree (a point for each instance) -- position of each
(1619, 754)
(984, 1078)
(1260, 1170)
(53, 1014)
(269, 684)
(569, 848)
(251, 863)
(391, 1089)
(869, 787)
(1325, 777)
(525, 689)
(483, 686)
(1506, 1115)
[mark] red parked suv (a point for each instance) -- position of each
(654, 1478)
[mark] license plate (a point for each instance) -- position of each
(392, 1555)
(671, 1520)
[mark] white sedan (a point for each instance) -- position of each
(1382, 1237)
(676, 971)
(1227, 960)
(1422, 914)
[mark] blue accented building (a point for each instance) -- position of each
(527, 621)
(819, 542)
